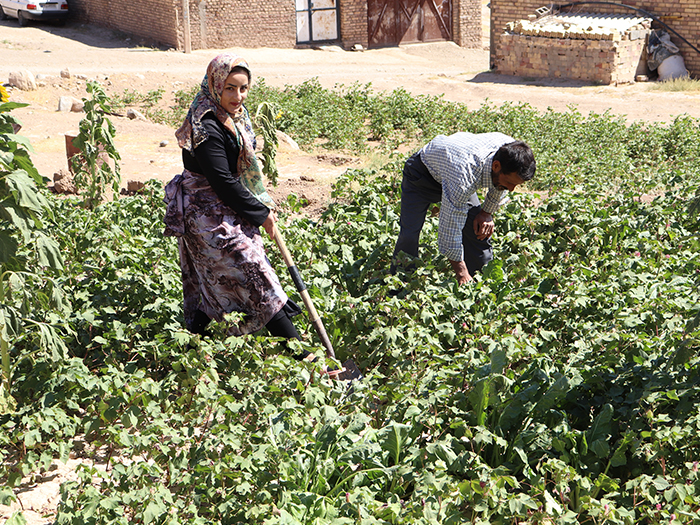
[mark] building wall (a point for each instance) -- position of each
(153, 21)
(466, 23)
(682, 16)
(353, 23)
(237, 23)
(603, 61)
(241, 23)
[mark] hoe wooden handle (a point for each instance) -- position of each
(301, 288)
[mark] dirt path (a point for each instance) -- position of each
(431, 69)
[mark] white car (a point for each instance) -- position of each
(25, 10)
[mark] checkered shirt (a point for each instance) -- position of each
(462, 164)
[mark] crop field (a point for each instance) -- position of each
(563, 387)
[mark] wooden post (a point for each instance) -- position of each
(186, 20)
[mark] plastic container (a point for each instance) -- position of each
(672, 67)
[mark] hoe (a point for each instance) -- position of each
(350, 370)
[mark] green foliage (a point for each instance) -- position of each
(131, 97)
(561, 387)
(570, 148)
(152, 104)
(26, 296)
(93, 168)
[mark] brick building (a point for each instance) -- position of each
(610, 59)
(201, 24)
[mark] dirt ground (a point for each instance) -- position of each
(120, 63)
(150, 151)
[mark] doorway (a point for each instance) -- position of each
(393, 22)
(317, 21)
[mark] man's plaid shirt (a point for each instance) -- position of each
(462, 164)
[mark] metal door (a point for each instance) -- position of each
(393, 22)
(317, 20)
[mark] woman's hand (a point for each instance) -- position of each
(269, 224)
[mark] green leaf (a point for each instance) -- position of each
(153, 511)
(499, 360)
(9, 106)
(48, 252)
(600, 448)
(393, 439)
(22, 219)
(600, 429)
(16, 519)
(23, 161)
(552, 506)
(8, 247)
(494, 271)
(521, 503)
(6, 159)
(25, 192)
(130, 418)
(326, 436)
(19, 139)
(7, 496)
(661, 484)
(554, 394)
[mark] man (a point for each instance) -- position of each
(451, 169)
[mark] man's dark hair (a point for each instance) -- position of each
(516, 157)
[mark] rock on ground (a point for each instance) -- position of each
(63, 182)
(22, 79)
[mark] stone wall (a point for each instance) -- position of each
(682, 16)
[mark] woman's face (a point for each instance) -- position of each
(235, 92)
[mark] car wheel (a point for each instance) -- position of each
(22, 19)
(3, 16)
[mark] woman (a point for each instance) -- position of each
(216, 217)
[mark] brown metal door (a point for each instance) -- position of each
(393, 22)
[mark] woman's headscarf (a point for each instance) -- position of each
(192, 132)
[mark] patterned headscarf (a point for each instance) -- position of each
(192, 132)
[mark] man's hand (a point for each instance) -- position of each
(461, 272)
(483, 225)
(269, 224)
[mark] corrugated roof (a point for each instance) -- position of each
(580, 25)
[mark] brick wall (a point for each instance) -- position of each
(604, 61)
(353, 23)
(153, 21)
(213, 23)
(239, 23)
(682, 16)
(466, 23)
(242, 23)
